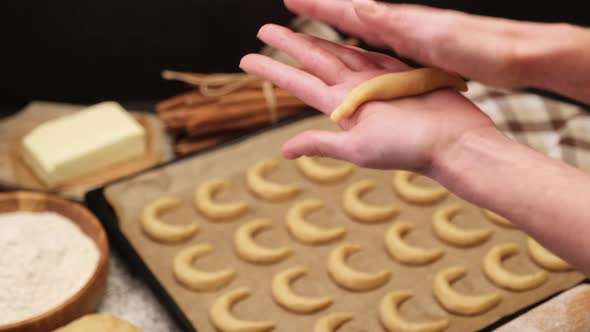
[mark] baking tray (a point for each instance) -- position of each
(98, 203)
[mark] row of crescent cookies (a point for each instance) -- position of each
(341, 273)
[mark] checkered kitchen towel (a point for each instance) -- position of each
(554, 128)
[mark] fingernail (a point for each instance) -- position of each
(365, 6)
(242, 60)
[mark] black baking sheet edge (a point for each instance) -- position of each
(98, 204)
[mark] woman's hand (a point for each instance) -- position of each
(491, 50)
(408, 133)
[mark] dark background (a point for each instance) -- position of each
(89, 51)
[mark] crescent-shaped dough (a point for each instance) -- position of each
(403, 186)
(364, 212)
(492, 266)
(266, 189)
(194, 279)
(446, 231)
(331, 322)
(161, 231)
(456, 302)
(217, 211)
(396, 85)
(349, 278)
(545, 258)
(305, 231)
(248, 250)
(405, 253)
(283, 295)
(222, 318)
(394, 322)
(317, 172)
(498, 219)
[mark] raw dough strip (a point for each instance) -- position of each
(266, 189)
(349, 278)
(492, 266)
(399, 250)
(313, 170)
(195, 279)
(160, 231)
(457, 303)
(368, 213)
(498, 219)
(397, 85)
(306, 232)
(284, 296)
(446, 231)
(248, 250)
(394, 322)
(545, 258)
(408, 191)
(217, 211)
(331, 322)
(222, 318)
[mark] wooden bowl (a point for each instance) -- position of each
(87, 298)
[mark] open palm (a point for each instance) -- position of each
(407, 133)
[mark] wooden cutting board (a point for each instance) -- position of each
(567, 312)
(15, 173)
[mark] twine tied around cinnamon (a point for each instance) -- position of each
(217, 85)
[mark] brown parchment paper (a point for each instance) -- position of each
(15, 173)
(180, 179)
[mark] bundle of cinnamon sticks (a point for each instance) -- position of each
(222, 107)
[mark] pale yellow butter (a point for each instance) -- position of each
(91, 139)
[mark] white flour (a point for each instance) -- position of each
(44, 259)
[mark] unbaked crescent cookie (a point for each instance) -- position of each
(495, 271)
(160, 231)
(498, 219)
(195, 279)
(247, 248)
(545, 258)
(394, 322)
(349, 278)
(265, 189)
(397, 85)
(331, 322)
(284, 295)
(305, 231)
(410, 192)
(364, 212)
(458, 303)
(399, 250)
(313, 170)
(204, 200)
(446, 231)
(222, 318)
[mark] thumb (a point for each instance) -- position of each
(365, 7)
(318, 143)
(371, 12)
(398, 26)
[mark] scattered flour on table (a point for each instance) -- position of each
(44, 259)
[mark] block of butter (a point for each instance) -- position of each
(93, 138)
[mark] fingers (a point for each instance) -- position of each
(354, 58)
(314, 58)
(338, 13)
(318, 143)
(302, 85)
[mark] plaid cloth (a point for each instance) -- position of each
(557, 129)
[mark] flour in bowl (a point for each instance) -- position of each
(44, 260)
